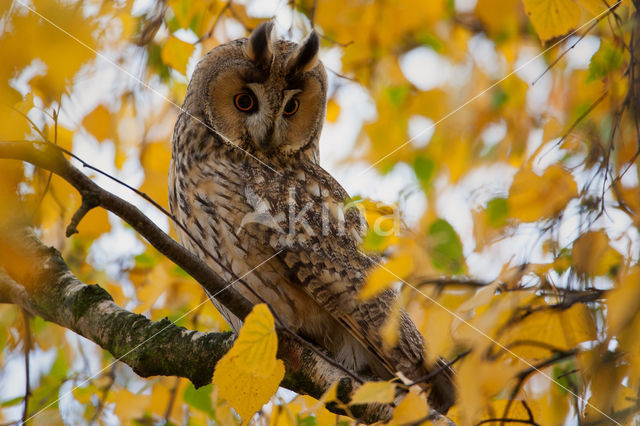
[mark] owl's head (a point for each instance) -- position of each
(266, 96)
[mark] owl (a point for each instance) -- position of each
(245, 180)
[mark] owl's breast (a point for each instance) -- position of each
(226, 218)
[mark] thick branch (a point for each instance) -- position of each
(48, 289)
(53, 293)
(48, 157)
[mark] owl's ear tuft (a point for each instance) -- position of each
(305, 56)
(259, 49)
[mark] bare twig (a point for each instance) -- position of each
(89, 201)
(312, 13)
(105, 393)
(446, 281)
(574, 124)
(48, 156)
(27, 350)
(524, 375)
(587, 31)
(507, 420)
(209, 33)
(441, 367)
(172, 399)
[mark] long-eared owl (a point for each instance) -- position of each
(246, 182)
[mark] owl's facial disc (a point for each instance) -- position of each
(271, 98)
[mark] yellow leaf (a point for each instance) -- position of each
(176, 53)
(333, 110)
(317, 407)
(249, 374)
(61, 136)
(282, 415)
(382, 276)
(478, 381)
(161, 395)
(98, 123)
(505, 22)
(592, 254)
(534, 337)
(330, 395)
(155, 159)
(607, 393)
(382, 392)
(32, 37)
(94, 224)
(383, 221)
(533, 197)
(129, 406)
(553, 18)
(436, 324)
(83, 394)
(411, 409)
(12, 125)
(391, 326)
(623, 302)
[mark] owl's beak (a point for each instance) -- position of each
(267, 141)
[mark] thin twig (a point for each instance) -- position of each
(215, 23)
(522, 376)
(105, 393)
(574, 124)
(441, 368)
(507, 420)
(555, 61)
(172, 399)
(560, 56)
(312, 13)
(27, 349)
(445, 281)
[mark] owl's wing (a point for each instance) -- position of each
(321, 255)
(332, 274)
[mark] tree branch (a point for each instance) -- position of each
(49, 157)
(49, 290)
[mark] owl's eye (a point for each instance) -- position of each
(291, 107)
(245, 102)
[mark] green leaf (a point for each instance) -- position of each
(430, 40)
(11, 402)
(199, 399)
(445, 247)
(179, 272)
(146, 260)
(424, 168)
(60, 366)
(397, 95)
(608, 58)
(499, 98)
(372, 241)
(307, 421)
(565, 376)
(497, 210)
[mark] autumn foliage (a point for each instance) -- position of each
(507, 130)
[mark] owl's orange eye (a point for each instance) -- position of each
(245, 102)
(291, 107)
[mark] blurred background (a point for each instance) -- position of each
(498, 136)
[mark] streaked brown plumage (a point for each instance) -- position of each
(245, 180)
